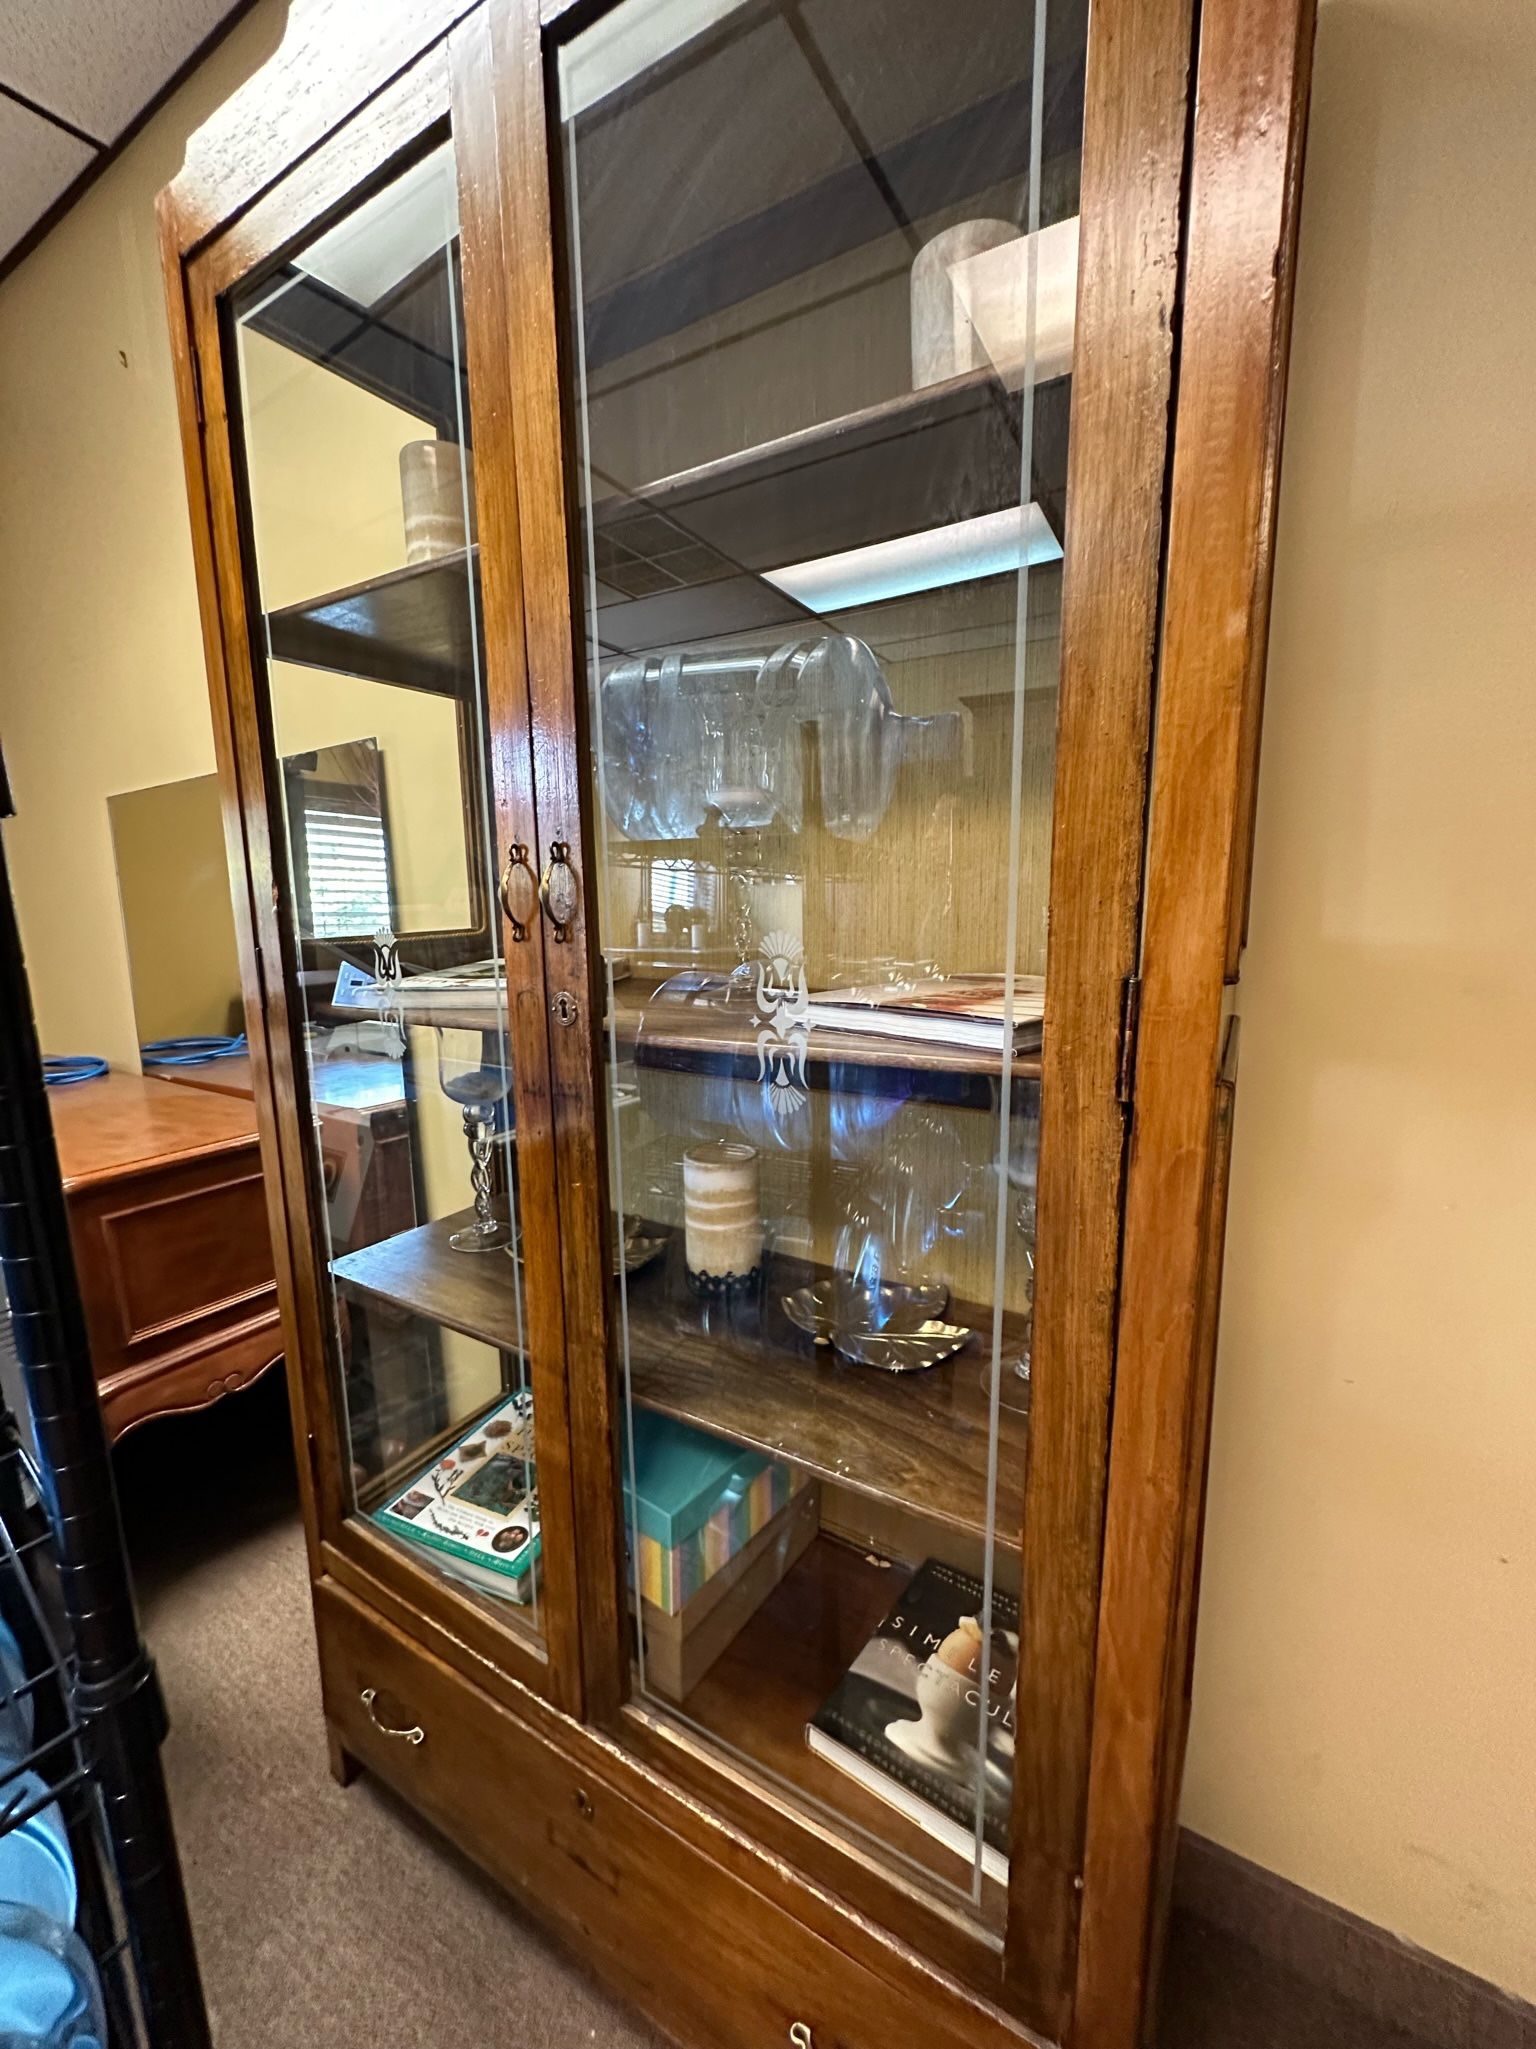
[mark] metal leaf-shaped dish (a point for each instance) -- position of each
(906, 1351)
(829, 1309)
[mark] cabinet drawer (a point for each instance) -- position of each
(613, 1880)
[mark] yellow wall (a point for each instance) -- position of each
(174, 882)
(1365, 1698)
(1366, 1687)
(102, 686)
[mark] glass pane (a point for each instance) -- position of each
(822, 281)
(358, 461)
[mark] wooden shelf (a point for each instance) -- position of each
(747, 1374)
(758, 1696)
(703, 537)
(474, 1293)
(700, 1040)
(410, 626)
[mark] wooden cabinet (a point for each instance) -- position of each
(734, 547)
(169, 1223)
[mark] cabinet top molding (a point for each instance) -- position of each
(335, 55)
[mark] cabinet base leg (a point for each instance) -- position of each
(344, 1766)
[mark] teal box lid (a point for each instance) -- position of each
(682, 1476)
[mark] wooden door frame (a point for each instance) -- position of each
(1243, 208)
(1140, 63)
(391, 112)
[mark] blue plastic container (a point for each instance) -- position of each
(16, 1717)
(50, 1996)
(36, 1867)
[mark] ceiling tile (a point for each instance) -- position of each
(37, 161)
(98, 62)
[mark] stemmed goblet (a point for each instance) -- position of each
(478, 1083)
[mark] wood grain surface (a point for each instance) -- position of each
(1250, 114)
(561, 817)
(608, 1837)
(333, 57)
(400, 111)
(618, 1865)
(748, 1374)
(1132, 172)
(168, 1218)
(106, 1127)
(488, 312)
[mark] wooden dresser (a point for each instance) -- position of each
(169, 1222)
(365, 1152)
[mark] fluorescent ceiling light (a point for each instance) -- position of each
(994, 545)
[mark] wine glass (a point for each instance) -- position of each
(478, 1082)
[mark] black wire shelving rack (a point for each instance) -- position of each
(97, 1716)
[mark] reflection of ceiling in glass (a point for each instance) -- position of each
(772, 101)
(369, 252)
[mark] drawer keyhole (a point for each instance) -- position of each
(800, 2035)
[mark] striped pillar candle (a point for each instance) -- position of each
(434, 480)
(722, 1215)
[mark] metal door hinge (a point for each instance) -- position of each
(1130, 1017)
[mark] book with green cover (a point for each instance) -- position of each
(476, 1507)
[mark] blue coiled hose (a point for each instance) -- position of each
(60, 1069)
(191, 1052)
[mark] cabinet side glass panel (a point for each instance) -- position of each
(819, 306)
(358, 460)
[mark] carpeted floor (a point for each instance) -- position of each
(334, 1920)
(327, 1919)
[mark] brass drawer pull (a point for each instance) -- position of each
(559, 892)
(517, 870)
(369, 1698)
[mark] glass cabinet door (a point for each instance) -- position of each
(355, 435)
(821, 273)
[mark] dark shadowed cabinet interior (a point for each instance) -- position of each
(734, 542)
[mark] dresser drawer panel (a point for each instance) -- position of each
(702, 1952)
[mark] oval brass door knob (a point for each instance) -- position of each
(518, 880)
(559, 892)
